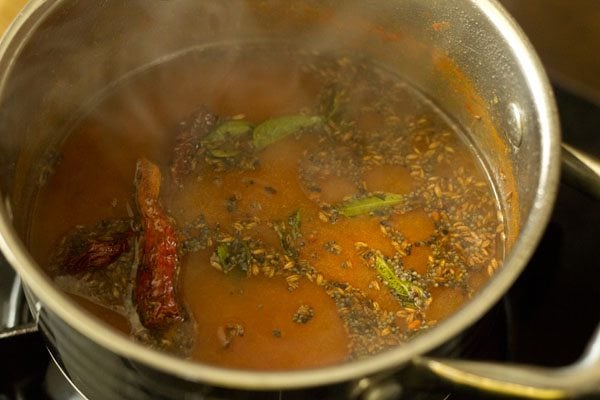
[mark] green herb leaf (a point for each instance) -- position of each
(224, 153)
(228, 130)
(294, 223)
(409, 293)
(366, 205)
(335, 106)
(223, 253)
(289, 234)
(223, 142)
(233, 255)
(275, 129)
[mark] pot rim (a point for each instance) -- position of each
(55, 301)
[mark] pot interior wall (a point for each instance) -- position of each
(80, 48)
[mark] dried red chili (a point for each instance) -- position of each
(95, 248)
(156, 281)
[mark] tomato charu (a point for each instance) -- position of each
(268, 209)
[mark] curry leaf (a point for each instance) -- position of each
(294, 223)
(223, 253)
(409, 293)
(277, 128)
(224, 141)
(224, 153)
(232, 255)
(366, 205)
(229, 130)
(289, 234)
(335, 106)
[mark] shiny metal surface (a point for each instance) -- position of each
(582, 171)
(581, 378)
(520, 381)
(59, 387)
(8, 313)
(14, 316)
(467, 54)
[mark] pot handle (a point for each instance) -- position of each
(523, 381)
(581, 171)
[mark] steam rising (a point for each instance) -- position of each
(84, 47)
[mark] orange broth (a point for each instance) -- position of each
(385, 137)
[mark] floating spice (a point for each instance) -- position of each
(289, 234)
(369, 204)
(408, 292)
(231, 255)
(232, 129)
(226, 334)
(332, 247)
(89, 260)
(336, 101)
(224, 141)
(275, 129)
(187, 143)
(88, 249)
(304, 314)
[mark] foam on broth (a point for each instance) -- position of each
(447, 231)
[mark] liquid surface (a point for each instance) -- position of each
(324, 272)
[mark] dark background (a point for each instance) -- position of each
(554, 306)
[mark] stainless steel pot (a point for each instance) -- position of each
(466, 54)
